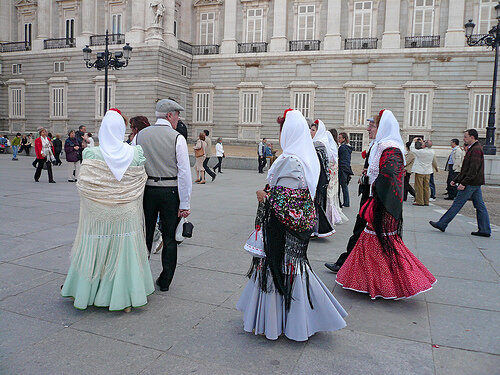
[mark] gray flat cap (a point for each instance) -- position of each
(165, 106)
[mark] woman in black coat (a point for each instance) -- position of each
(57, 149)
(71, 148)
(345, 171)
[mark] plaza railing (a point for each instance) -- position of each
(185, 46)
(15, 46)
(431, 41)
(59, 43)
(252, 47)
(200, 49)
(361, 43)
(304, 45)
(476, 37)
(100, 40)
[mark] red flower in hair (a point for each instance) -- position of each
(380, 113)
(286, 111)
(363, 154)
(116, 110)
(316, 122)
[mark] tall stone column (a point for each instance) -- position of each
(169, 19)
(455, 35)
(5, 21)
(43, 17)
(87, 7)
(228, 45)
(136, 33)
(333, 39)
(278, 40)
(392, 37)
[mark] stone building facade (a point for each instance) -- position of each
(236, 64)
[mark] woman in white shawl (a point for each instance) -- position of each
(109, 265)
(284, 295)
(333, 211)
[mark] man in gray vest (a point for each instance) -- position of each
(168, 189)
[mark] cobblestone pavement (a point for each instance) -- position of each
(195, 328)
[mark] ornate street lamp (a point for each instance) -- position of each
(106, 60)
(492, 39)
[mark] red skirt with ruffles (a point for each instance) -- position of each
(369, 270)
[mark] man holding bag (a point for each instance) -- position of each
(168, 189)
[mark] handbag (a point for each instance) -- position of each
(255, 243)
(199, 152)
(184, 230)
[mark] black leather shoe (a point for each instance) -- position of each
(162, 288)
(334, 267)
(481, 234)
(213, 177)
(435, 225)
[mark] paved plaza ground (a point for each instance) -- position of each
(195, 328)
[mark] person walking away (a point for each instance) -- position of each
(200, 154)
(364, 191)
(410, 159)
(345, 171)
(422, 167)
(333, 211)
(380, 264)
(168, 188)
(72, 151)
(137, 124)
(219, 153)
(261, 152)
(16, 143)
(208, 154)
(468, 183)
(44, 155)
(435, 169)
(58, 146)
(109, 262)
(453, 166)
(283, 294)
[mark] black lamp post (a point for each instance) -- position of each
(492, 39)
(106, 60)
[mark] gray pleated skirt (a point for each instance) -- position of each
(265, 313)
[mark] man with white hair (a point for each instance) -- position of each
(168, 189)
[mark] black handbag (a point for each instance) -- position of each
(187, 229)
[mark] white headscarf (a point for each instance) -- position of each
(333, 150)
(295, 140)
(117, 154)
(388, 135)
(321, 136)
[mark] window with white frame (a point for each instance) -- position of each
(116, 23)
(487, 16)
(306, 22)
(423, 18)
(358, 107)
(100, 100)
(28, 33)
(57, 105)
(16, 104)
(70, 29)
(16, 68)
(207, 28)
(480, 110)
(184, 70)
(249, 107)
(362, 20)
(59, 67)
(202, 107)
(418, 110)
(302, 102)
(255, 21)
(356, 141)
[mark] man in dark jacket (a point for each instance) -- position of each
(345, 171)
(80, 135)
(469, 183)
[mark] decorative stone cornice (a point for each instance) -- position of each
(303, 84)
(479, 85)
(250, 85)
(420, 84)
(361, 84)
(202, 3)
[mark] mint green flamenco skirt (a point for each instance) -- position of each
(109, 264)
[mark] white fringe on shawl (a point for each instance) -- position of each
(111, 218)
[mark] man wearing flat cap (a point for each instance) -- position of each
(168, 189)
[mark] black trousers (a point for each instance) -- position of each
(163, 201)
(359, 227)
(57, 156)
(262, 163)
(407, 187)
(344, 178)
(39, 168)
(452, 190)
(218, 165)
(207, 169)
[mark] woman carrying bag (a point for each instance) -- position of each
(199, 153)
(44, 155)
